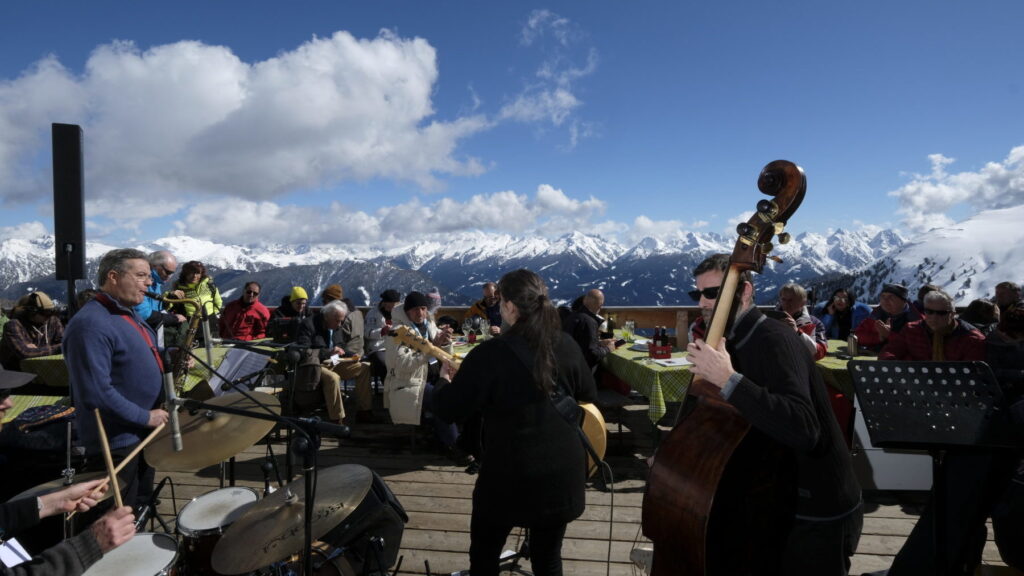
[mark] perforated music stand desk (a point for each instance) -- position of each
(932, 406)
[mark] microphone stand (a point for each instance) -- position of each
(309, 430)
(305, 443)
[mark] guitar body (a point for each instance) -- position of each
(595, 431)
(703, 452)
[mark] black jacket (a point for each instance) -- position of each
(584, 327)
(532, 470)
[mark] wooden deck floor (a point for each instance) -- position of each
(436, 495)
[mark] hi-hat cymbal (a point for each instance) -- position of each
(58, 485)
(209, 437)
(272, 530)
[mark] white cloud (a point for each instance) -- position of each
(551, 211)
(190, 119)
(551, 96)
(927, 198)
(26, 231)
(644, 227)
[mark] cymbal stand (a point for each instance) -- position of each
(511, 563)
(304, 443)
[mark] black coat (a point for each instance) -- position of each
(584, 327)
(533, 465)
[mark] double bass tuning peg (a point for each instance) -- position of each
(784, 238)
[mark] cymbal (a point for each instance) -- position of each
(209, 437)
(58, 484)
(272, 529)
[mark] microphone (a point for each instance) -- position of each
(172, 402)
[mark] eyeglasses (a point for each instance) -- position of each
(710, 293)
(931, 312)
(253, 292)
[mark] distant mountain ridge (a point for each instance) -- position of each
(968, 259)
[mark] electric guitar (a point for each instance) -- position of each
(592, 423)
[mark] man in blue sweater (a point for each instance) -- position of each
(115, 365)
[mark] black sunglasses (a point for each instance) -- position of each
(254, 293)
(710, 293)
(931, 312)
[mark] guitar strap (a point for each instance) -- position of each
(570, 410)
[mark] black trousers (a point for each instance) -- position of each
(486, 538)
(823, 548)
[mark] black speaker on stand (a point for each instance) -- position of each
(68, 207)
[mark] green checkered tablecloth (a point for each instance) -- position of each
(50, 370)
(660, 384)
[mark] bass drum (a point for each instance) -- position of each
(370, 537)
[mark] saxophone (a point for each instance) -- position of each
(181, 362)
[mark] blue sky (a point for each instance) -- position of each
(382, 122)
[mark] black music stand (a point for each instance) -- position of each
(932, 406)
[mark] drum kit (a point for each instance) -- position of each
(356, 522)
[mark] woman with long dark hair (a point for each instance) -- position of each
(533, 465)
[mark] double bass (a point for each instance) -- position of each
(689, 463)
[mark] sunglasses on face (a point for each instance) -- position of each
(931, 312)
(253, 292)
(710, 293)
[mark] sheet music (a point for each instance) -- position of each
(12, 554)
(237, 363)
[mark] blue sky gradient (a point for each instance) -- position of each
(387, 121)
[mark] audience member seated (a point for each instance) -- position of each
(940, 336)
(978, 483)
(488, 307)
(162, 265)
(793, 301)
(409, 389)
(350, 339)
(195, 284)
(983, 314)
(584, 325)
(450, 322)
(33, 330)
(1008, 296)
(316, 335)
(841, 314)
(285, 319)
(921, 292)
(245, 318)
(376, 327)
(890, 316)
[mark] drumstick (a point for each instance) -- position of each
(128, 458)
(110, 461)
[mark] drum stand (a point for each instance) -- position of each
(149, 510)
(510, 563)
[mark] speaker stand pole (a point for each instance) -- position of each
(72, 296)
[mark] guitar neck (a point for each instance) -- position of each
(406, 336)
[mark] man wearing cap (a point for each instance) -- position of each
(940, 336)
(411, 373)
(74, 555)
(32, 331)
(349, 337)
(116, 367)
(284, 321)
(376, 327)
(245, 318)
(892, 314)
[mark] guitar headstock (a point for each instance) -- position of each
(787, 184)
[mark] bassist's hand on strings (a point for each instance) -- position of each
(711, 364)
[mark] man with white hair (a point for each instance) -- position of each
(316, 334)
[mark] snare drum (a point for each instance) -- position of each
(203, 521)
(146, 554)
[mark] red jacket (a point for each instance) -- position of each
(243, 322)
(914, 342)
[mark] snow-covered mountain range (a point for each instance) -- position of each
(968, 260)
